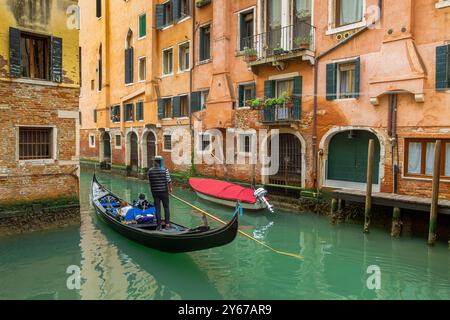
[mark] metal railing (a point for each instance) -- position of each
(280, 40)
(281, 113)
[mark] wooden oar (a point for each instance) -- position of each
(297, 256)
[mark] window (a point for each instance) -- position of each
(95, 116)
(35, 143)
(419, 157)
(347, 12)
(35, 58)
(129, 58)
(246, 29)
(167, 142)
(98, 8)
(443, 67)
(346, 80)
(140, 111)
(343, 79)
(168, 61)
(183, 57)
(246, 92)
(99, 69)
(205, 43)
(129, 114)
(91, 140)
(115, 113)
(204, 142)
(245, 143)
(184, 8)
(203, 98)
(184, 106)
(142, 69)
(284, 86)
(168, 13)
(142, 26)
(164, 108)
(118, 141)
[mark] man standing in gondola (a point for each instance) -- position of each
(161, 186)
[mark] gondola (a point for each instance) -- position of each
(177, 239)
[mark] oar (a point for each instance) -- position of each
(297, 256)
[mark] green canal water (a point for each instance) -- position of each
(336, 259)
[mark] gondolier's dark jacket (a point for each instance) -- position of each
(159, 180)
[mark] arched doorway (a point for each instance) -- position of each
(347, 159)
(289, 160)
(151, 148)
(134, 153)
(106, 141)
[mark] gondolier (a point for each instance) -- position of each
(161, 186)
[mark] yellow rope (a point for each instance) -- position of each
(241, 232)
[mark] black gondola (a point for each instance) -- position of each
(175, 240)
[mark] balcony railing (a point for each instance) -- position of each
(281, 113)
(280, 41)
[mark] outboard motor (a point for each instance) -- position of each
(260, 194)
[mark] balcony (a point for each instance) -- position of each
(281, 114)
(276, 45)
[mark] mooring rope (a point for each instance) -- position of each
(297, 256)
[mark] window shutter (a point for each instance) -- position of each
(159, 18)
(56, 51)
(95, 116)
(15, 69)
(99, 8)
(357, 77)
(176, 107)
(241, 31)
(129, 67)
(241, 101)
(297, 98)
(176, 8)
(269, 89)
(161, 109)
(142, 26)
(188, 7)
(253, 90)
(442, 67)
(202, 44)
(331, 81)
(100, 74)
(196, 101)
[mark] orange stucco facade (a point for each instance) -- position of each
(397, 104)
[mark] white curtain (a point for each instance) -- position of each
(429, 163)
(414, 157)
(447, 159)
(351, 11)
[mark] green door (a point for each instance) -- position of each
(347, 156)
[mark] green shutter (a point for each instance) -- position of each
(99, 8)
(129, 65)
(139, 111)
(176, 107)
(357, 77)
(331, 81)
(159, 16)
(56, 63)
(253, 90)
(161, 109)
(202, 44)
(176, 9)
(142, 26)
(442, 67)
(15, 57)
(241, 102)
(297, 98)
(188, 8)
(269, 89)
(196, 101)
(95, 116)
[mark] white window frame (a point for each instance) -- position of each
(210, 24)
(139, 69)
(54, 146)
(442, 4)
(91, 145)
(338, 77)
(179, 57)
(139, 26)
(115, 142)
(187, 106)
(199, 143)
(248, 83)
(238, 16)
(163, 75)
(241, 143)
(164, 142)
(332, 29)
(202, 99)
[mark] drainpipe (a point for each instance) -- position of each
(392, 131)
(191, 127)
(316, 72)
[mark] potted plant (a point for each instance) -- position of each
(201, 3)
(250, 54)
(278, 50)
(254, 103)
(302, 42)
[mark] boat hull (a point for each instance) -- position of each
(229, 203)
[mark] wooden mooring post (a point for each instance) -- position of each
(368, 208)
(396, 222)
(435, 193)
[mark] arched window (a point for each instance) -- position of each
(129, 58)
(99, 68)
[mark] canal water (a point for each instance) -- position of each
(335, 265)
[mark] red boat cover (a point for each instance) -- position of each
(223, 190)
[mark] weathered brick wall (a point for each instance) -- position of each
(86, 152)
(36, 105)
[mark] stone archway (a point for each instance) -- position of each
(105, 149)
(149, 148)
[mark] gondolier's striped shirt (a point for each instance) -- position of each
(159, 179)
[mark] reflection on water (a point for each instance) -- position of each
(112, 267)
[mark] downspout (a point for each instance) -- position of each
(191, 127)
(316, 72)
(393, 134)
